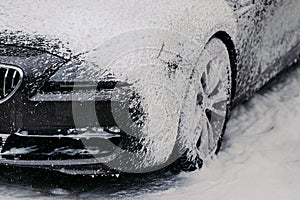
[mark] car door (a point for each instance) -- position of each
(279, 32)
(267, 30)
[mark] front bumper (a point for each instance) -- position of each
(42, 130)
(45, 135)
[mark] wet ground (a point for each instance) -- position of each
(260, 159)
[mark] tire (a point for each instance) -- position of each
(206, 107)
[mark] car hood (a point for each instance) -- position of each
(71, 27)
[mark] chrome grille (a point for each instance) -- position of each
(10, 80)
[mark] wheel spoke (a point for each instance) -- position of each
(213, 77)
(213, 110)
(207, 140)
(218, 97)
(203, 141)
(216, 90)
(210, 135)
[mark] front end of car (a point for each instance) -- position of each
(50, 122)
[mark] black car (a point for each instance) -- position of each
(133, 86)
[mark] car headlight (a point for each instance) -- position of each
(80, 76)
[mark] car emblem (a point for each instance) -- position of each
(10, 80)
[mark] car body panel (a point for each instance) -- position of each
(268, 31)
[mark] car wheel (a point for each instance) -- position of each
(206, 107)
